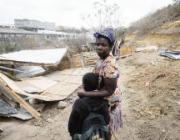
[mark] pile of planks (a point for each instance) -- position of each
(89, 58)
(84, 59)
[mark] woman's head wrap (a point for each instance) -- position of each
(107, 33)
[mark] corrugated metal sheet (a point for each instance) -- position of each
(171, 54)
(38, 57)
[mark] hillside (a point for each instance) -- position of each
(161, 29)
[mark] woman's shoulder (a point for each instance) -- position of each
(111, 62)
(111, 69)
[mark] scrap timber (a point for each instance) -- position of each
(5, 89)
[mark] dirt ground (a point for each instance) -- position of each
(150, 86)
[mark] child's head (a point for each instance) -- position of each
(91, 82)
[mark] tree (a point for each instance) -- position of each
(104, 14)
(176, 1)
(177, 7)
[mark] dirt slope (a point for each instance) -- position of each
(152, 98)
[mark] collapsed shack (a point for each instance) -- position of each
(38, 74)
(29, 63)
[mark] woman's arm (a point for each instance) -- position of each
(109, 88)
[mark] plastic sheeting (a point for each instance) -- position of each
(171, 54)
(8, 111)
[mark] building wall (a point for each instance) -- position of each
(33, 25)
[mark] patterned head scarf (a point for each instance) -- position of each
(108, 33)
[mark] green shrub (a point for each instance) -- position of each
(7, 46)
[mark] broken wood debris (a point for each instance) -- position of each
(84, 59)
(56, 86)
(18, 90)
(5, 89)
(9, 69)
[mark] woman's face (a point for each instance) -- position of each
(102, 47)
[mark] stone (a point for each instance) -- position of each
(61, 105)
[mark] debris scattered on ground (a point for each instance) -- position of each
(84, 59)
(30, 71)
(147, 48)
(31, 85)
(8, 91)
(171, 54)
(150, 101)
(6, 110)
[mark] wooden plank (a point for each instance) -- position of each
(25, 63)
(66, 82)
(60, 91)
(71, 72)
(25, 86)
(15, 88)
(69, 80)
(66, 78)
(18, 99)
(40, 82)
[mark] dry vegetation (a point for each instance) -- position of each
(9, 44)
(161, 29)
(154, 20)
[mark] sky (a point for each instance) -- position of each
(73, 13)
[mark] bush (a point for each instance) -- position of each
(177, 7)
(7, 46)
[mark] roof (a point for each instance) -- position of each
(49, 57)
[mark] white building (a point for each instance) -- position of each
(33, 25)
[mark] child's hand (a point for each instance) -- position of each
(80, 93)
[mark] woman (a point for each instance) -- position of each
(107, 70)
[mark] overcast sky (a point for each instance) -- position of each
(70, 12)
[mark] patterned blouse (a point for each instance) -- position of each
(108, 68)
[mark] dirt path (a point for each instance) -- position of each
(147, 115)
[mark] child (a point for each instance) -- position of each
(79, 112)
(92, 82)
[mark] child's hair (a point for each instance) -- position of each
(91, 82)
